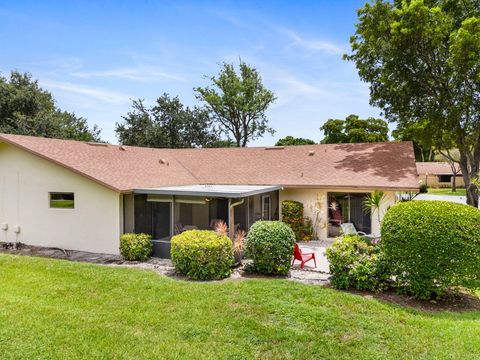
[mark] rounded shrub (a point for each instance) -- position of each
(270, 245)
(135, 247)
(432, 246)
(357, 263)
(202, 254)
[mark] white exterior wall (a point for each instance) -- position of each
(25, 182)
(315, 202)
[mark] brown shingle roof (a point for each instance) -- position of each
(389, 165)
(434, 168)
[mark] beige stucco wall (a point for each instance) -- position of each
(316, 206)
(25, 182)
(433, 182)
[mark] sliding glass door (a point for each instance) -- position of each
(347, 208)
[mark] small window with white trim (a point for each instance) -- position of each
(62, 200)
(266, 207)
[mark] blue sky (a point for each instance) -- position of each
(95, 57)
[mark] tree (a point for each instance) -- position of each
(354, 130)
(423, 148)
(452, 157)
(27, 109)
(238, 102)
(290, 140)
(167, 124)
(422, 61)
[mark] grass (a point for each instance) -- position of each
(62, 204)
(447, 191)
(64, 310)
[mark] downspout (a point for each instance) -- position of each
(231, 216)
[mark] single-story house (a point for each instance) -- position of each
(83, 196)
(439, 174)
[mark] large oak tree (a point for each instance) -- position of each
(354, 130)
(27, 109)
(238, 102)
(168, 124)
(422, 61)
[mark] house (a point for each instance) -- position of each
(439, 174)
(83, 196)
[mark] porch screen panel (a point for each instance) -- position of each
(240, 215)
(358, 216)
(143, 215)
(161, 220)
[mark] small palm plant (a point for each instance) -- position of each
(373, 201)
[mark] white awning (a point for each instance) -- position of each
(222, 191)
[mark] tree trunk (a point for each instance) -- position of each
(469, 171)
(454, 183)
(472, 196)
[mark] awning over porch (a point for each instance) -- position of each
(220, 191)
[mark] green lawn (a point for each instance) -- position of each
(447, 191)
(59, 310)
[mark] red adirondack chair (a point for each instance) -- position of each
(303, 257)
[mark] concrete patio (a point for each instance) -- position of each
(318, 248)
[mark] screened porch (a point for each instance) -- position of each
(164, 212)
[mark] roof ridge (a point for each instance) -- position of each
(186, 169)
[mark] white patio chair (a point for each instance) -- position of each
(349, 229)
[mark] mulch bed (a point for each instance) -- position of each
(461, 302)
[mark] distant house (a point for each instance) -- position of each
(83, 196)
(438, 174)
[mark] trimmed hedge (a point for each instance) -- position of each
(356, 263)
(432, 246)
(135, 247)
(270, 245)
(292, 215)
(202, 254)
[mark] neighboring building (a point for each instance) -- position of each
(83, 196)
(438, 175)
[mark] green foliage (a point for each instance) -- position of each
(356, 263)
(135, 247)
(354, 130)
(290, 140)
(423, 188)
(238, 102)
(27, 109)
(373, 201)
(421, 59)
(432, 246)
(167, 124)
(292, 215)
(423, 148)
(116, 312)
(270, 245)
(202, 254)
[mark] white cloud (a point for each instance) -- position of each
(314, 45)
(107, 96)
(142, 73)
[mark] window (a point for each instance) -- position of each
(444, 178)
(347, 208)
(266, 207)
(62, 200)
